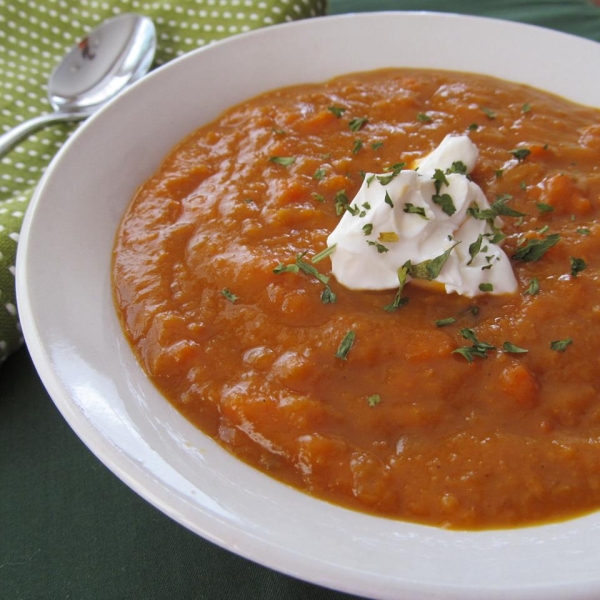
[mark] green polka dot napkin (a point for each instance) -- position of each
(34, 36)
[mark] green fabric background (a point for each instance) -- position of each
(70, 530)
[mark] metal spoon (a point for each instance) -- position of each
(95, 70)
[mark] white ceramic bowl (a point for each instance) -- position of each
(71, 329)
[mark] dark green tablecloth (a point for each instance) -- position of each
(70, 530)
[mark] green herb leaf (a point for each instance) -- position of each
(424, 118)
(357, 123)
(229, 295)
(534, 249)
(318, 197)
(342, 204)
(473, 127)
(512, 349)
(376, 145)
(478, 349)
(398, 299)
(320, 174)
(328, 296)
(380, 247)
(345, 345)
(526, 107)
(488, 112)
(457, 167)
(520, 153)
(439, 178)
(577, 265)
(388, 200)
(445, 322)
(583, 231)
(415, 210)
(323, 254)
(307, 268)
(367, 228)
(373, 399)
(281, 268)
(445, 202)
(338, 111)
(534, 287)
(475, 248)
(395, 171)
(545, 208)
(561, 345)
(286, 161)
(486, 287)
(358, 144)
(430, 269)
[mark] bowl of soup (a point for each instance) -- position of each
(333, 306)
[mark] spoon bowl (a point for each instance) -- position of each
(94, 71)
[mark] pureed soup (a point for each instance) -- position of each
(472, 409)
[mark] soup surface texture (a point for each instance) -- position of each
(369, 408)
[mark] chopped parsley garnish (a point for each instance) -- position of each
(534, 287)
(497, 208)
(373, 399)
(357, 123)
(584, 231)
(445, 322)
(398, 299)
(388, 200)
(534, 249)
(342, 204)
(323, 254)
(328, 296)
(415, 210)
(473, 127)
(458, 166)
(376, 145)
(286, 161)
(475, 248)
(318, 197)
(445, 202)
(439, 178)
(278, 131)
(358, 144)
(488, 112)
(526, 107)
(380, 247)
(395, 170)
(478, 349)
(367, 228)
(577, 265)
(424, 118)
(345, 345)
(520, 153)
(486, 287)
(229, 295)
(429, 269)
(561, 345)
(512, 349)
(544, 208)
(320, 174)
(338, 111)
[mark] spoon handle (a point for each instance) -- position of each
(10, 138)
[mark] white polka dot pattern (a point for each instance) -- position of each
(35, 34)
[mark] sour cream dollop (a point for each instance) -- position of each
(396, 219)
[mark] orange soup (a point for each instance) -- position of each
(453, 411)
